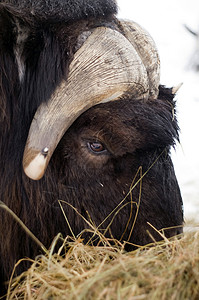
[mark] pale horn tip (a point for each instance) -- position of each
(35, 169)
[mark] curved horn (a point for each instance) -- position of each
(103, 69)
(146, 48)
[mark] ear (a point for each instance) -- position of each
(156, 121)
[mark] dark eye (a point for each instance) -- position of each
(96, 147)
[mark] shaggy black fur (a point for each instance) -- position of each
(57, 11)
(133, 134)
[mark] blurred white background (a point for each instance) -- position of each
(165, 20)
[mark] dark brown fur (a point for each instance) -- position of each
(134, 134)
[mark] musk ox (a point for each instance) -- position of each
(83, 120)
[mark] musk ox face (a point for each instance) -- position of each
(106, 152)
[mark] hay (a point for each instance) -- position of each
(168, 270)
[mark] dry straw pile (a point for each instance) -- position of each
(167, 270)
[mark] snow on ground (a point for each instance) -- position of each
(165, 20)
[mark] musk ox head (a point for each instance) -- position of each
(108, 65)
